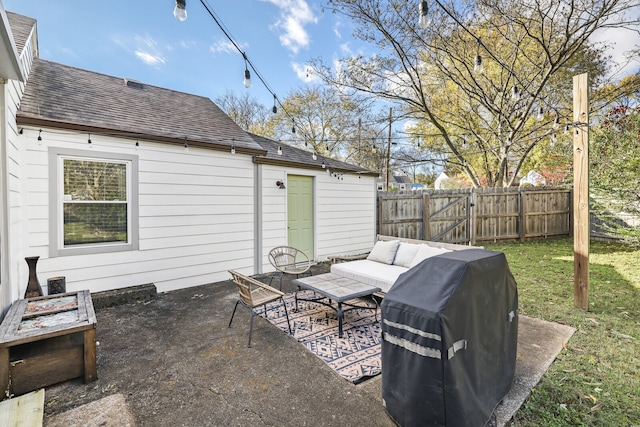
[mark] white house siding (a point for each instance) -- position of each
(344, 212)
(14, 268)
(195, 216)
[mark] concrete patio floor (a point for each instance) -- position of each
(173, 361)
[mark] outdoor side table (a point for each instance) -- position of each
(46, 340)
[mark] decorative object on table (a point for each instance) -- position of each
(56, 285)
(33, 286)
(355, 357)
(46, 340)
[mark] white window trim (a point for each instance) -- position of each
(56, 248)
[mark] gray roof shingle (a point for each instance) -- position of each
(66, 97)
(21, 27)
(292, 156)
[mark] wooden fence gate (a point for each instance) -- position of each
(475, 215)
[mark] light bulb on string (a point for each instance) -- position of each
(247, 74)
(40, 136)
(279, 150)
(275, 108)
(314, 156)
(540, 115)
(180, 11)
(515, 93)
(566, 129)
(478, 68)
(89, 141)
(424, 20)
(233, 148)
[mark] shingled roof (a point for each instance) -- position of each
(65, 97)
(21, 27)
(296, 157)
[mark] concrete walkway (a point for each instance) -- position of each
(174, 362)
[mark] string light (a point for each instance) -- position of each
(40, 136)
(247, 74)
(515, 93)
(180, 11)
(324, 166)
(280, 150)
(233, 148)
(314, 156)
(566, 129)
(424, 20)
(275, 108)
(137, 144)
(89, 141)
(248, 63)
(478, 68)
(540, 115)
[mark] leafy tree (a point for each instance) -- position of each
(486, 123)
(614, 156)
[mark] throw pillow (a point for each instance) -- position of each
(426, 251)
(384, 252)
(406, 253)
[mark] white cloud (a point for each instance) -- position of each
(336, 29)
(222, 46)
(305, 73)
(144, 48)
(149, 58)
(294, 15)
(345, 49)
(621, 41)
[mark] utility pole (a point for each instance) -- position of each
(388, 150)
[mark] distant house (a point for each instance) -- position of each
(396, 182)
(115, 183)
(442, 181)
(533, 178)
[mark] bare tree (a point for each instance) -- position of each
(487, 78)
(328, 122)
(247, 112)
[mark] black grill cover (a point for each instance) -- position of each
(450, 329)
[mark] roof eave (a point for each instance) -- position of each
(39, 122)
(281, 162)
(11, 69)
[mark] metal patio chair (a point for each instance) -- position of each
(254, 294)
(289, 260)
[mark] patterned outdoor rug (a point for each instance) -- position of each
(355, 356)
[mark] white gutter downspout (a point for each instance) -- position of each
(257, 219)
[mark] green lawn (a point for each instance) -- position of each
(595, 381)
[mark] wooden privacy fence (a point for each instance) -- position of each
(475, 215)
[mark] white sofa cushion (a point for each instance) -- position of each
(426, 251)
(384, 251)
(370, 272)
(406, 254)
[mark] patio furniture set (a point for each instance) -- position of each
(366, 276)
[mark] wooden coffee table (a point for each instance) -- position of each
(339, 289)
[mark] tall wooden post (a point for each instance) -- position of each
(581, 221)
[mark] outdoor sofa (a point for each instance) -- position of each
(388, 259)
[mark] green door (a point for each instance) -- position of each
(300, 213)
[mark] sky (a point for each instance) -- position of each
(141, 40)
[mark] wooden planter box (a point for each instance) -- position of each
(46, 340)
